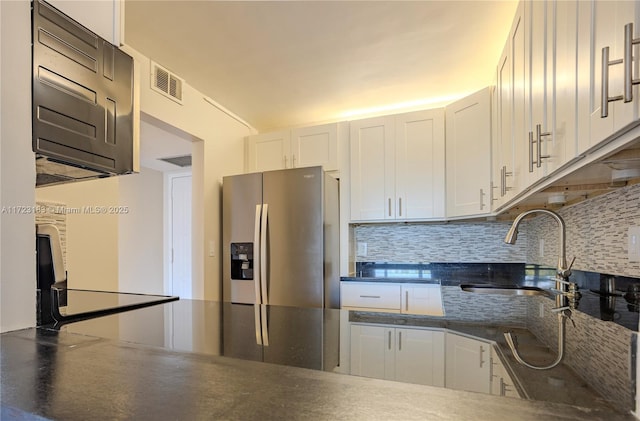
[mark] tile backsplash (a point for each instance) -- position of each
(596, 233)
(454, 242)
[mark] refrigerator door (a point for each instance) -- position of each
(241, 200)
(294, 237)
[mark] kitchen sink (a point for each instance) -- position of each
(502, 289)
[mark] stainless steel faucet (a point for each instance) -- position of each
(568, 294)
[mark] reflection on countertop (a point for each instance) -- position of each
(622, 307)
(560, 384)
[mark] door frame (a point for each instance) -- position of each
(168, 235)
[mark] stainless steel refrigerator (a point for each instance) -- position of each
(281, 238)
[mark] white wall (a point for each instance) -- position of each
(18, 274)
(140, 243)
(92, 238)
(220, 153)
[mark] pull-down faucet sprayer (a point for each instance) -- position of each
(567, 291)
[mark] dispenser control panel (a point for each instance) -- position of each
(242, 261)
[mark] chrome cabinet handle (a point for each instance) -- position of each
(493, 187)
(285, 161)
(539, 136)
(293, 159)
(406, 300)
(604, 98)
(482, 194)
(400, 206)
(389, 339)
(531, 160)
(369, 296)
(481, 354)
(400, 341)
(389, 203)
(505, 174)
(629, 42)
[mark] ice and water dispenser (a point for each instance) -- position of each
(242, 261)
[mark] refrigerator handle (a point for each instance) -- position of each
(263, 253)
(257, 264)
(265, 326)
(258, 323)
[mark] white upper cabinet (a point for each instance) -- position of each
(609, 20)
(420, 163)
(567, 51)
(269, 151)
(397, 167)
(317, 145)
(504, 180)
(295, 148)
(468, 154)
(519, 108)
(372, 159)
(102, 17)
(542, 142)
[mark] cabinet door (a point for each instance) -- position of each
(502, 149)
(370, 295)
(101, 17)
(544, 148)
(419, 356)
(317, 145)
(584, 87)
(422, 299)
(372, 169)
(469, 155)
(372, 351)
(501, 382)
(467, 364)
(564, 129)
(608, 22)
(520, 136)
(269, 151)
(419, 165)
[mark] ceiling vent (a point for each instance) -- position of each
(167, 83)
(181, 161)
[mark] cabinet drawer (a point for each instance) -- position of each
(370, 295)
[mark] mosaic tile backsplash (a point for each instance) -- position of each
(596, 233)
(454, 242)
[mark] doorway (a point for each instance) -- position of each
(180, 282)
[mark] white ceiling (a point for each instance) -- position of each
(282, 64)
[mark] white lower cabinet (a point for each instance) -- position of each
(425, 299)
(468, 364)
(501, 382)
(428, 356)
(401, 354)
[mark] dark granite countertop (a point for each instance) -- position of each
(298, 337)
(64, 375)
